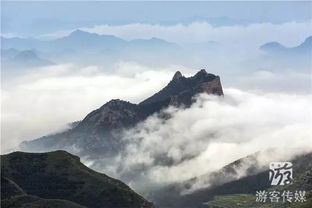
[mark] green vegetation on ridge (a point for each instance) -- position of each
(36, 177)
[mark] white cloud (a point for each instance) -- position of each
(290, 33)
(250, 36)
(44, 100)
(214, 132)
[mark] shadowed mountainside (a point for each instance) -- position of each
(59, 179)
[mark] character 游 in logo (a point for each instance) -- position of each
(280, 173)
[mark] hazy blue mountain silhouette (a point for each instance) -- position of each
(13, 58)
(276, 56)
(81, 40)
(276, 48)
(86, 48)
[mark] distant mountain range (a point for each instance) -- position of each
(91, 48)
(59, 180)
(276, 56)
(276, 48)
(78, 40)
(81, 47)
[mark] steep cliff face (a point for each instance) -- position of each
(95, 133)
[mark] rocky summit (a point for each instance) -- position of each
(95, 133)
(181, 90)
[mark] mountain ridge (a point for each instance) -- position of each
(95, 134)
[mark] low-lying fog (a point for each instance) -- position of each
(266, 103)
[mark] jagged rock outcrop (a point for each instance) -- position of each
(181, 89)
(177, 75)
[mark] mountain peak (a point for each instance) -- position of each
(202, 72)
(117, 113)
(115, 101)
(182, 92)
(272, 46)
(79, 32)
(177, 75)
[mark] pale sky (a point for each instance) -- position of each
(35, 18)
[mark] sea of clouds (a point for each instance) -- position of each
(45, 99)
(214, 132)
(263, 107)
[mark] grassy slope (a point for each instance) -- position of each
(60, 175)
